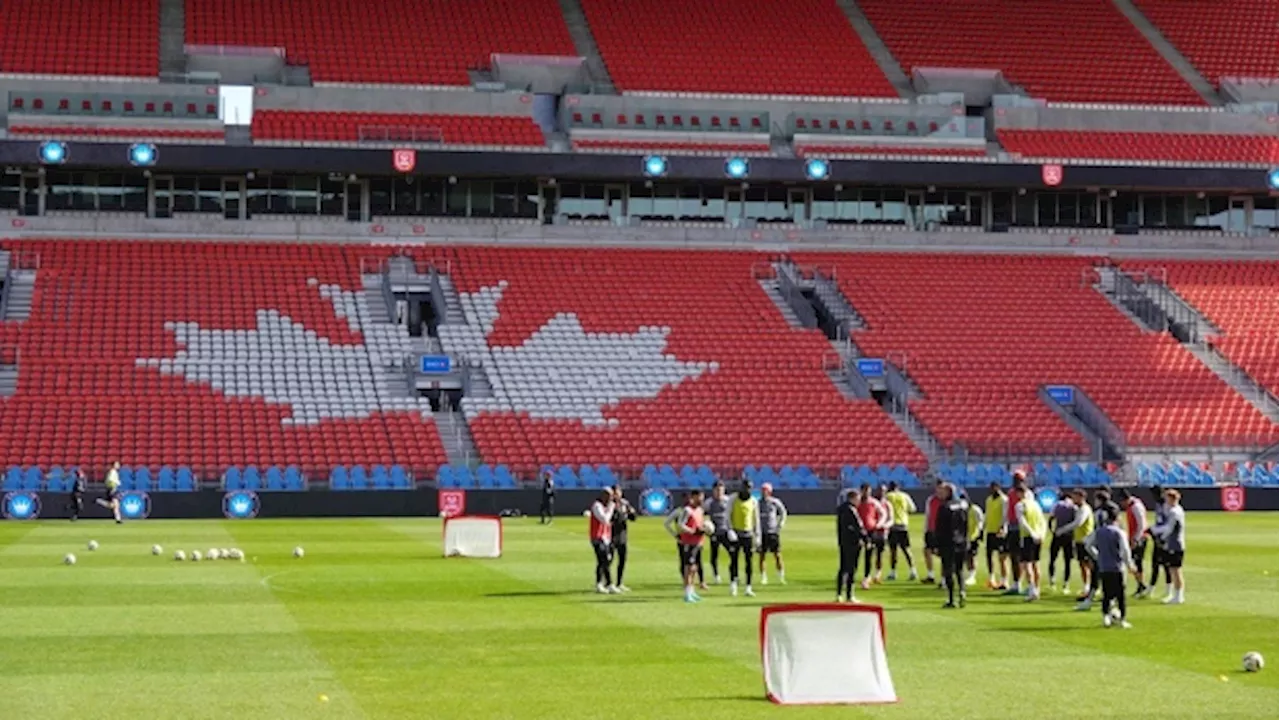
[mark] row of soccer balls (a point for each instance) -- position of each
(195, 556)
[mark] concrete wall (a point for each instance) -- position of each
(1058, 118)
(405, 100)
(425, 232)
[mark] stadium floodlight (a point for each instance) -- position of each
(1273, 178)
(655, 166)
(817, 169)
(53, 152)
(143, 155)
(737, 168)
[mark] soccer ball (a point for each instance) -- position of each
(156, 549)
(235, 554)
(298, 552)
(708, 527)
(213, 554)
(179, 555)
(1252, 661)
(733, 536)
(225, 553)
(93, 545)
(70, 559)
(195, 556)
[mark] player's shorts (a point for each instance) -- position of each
(1139, 550)
(1013, 542)
(973, 547)
(1030, 550)
(1064, 544)
(899, 538)
(995, 543)
(930, 540)
(113, 494)
(690, 554)
(1082, 553)
(1158, 554)
(770, 543)
(876, 540)
(1174, 559)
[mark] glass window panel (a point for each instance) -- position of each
(455, 200)
(640, 200)
(504, 199)
(756, 199)
(331, 196)
(1068, 209)
(1153, 211)
(1175, 211)
(666, 200)
(593, 200)
(894, 203)
(9, 190)
(1024, 210)
(570, 202)
(527, 199)
(1214, 213)
(481, 198)
(1124, 208)
(305, 194)
(1046, 210)
(209, 195)
(380, 196)
(1264, 212)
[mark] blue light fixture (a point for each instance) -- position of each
(53, 153)
(655, 166)
(1273, 178)
(737, 168)
(817, 169)
(143, 154)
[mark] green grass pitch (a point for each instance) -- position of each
(373, 623)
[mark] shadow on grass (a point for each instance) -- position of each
(539, 593)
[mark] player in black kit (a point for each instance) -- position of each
(623, 513)
(951, 531)
(75, 501)
(850, 534)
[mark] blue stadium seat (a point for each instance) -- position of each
(13, 479)
(380, 477)
(185, 480)
(32, 479)
(505, 479)
(293, 479)
(252, 478)
(606, 473)
(399, 478)
(231, 480)
(484, 477)
(359, 478)
(464, 477)
(275, 478)
(339, 479)
(165, 479)
(142, 479)
(126, 477)
(444, 477)
(55, 480)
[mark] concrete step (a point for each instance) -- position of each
(919, 434)
(1237, 378)
(584, 41)
(18, 293)
(770, 288)
(459, 445)
(1167, 51)
(889, 65)
(173, 36)
(8, 381)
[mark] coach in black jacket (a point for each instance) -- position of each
(952, 532)
(850, 534)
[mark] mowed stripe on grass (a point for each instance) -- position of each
(374, 619)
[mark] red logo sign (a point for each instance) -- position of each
(1051, 174)
(452, 502)
(404, 159)
(1233, 499)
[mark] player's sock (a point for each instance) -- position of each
(733, 588)
(764, 578)
(782, 576)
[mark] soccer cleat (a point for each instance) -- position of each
(600, 588)
(1142, 591)
(624, 588)
(717, 578)
(702, 586)
(782, 579)
(928, 580)
(971, 581)
(876, 580)
(1053, 584)
(963, 599)
(1124, 625)
(733, 588)
(991, 584)
(612, 590)
(866, 584)
(893, 575)
(749, 592)
(1084, 605)
(948, 605)
(914, 575)
(852, 598)
(1175, 600)
(1012, 591)
(1066, 589)
(1106, 620)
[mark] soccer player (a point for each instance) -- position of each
(951, 535)
(1031, 528)
(1077, 529)
(931, 505)
(1103, 509)
(1173, 533)
(849, 535)
(600, 530)
(547, 507)
(882, 532)
(1012, 535)
(685, 525)
(1135, 514)
(773, 517)
(112, 484)
(717, 508)
(902, 506)
(977, 521)
(1111, 548)
(1158, 551)
(1060, 524)
(623, 513)
(873, 514)
(995, 529)
(75, 501)
(744, 526)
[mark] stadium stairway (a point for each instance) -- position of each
(1155, 306)
(889, 65)
(585, 43)
(173, 36)
(1171, 54)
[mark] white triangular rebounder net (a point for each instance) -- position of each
(473, 536)
(818, 654)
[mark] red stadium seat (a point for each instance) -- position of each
(69, 37)
(351, 127)
(1148, 146)
(1221, 38)
(1066, 50)
(117, 133)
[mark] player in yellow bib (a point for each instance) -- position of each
(112, 484)
(902, 506)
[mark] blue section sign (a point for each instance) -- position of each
(1047, 499)
(21, 506)
(655, 501)
(1062, 394)
(871, 367)
(435, 364)
(135, 506)
(240, 505)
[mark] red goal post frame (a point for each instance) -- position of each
(767, 610)
(444, 526)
